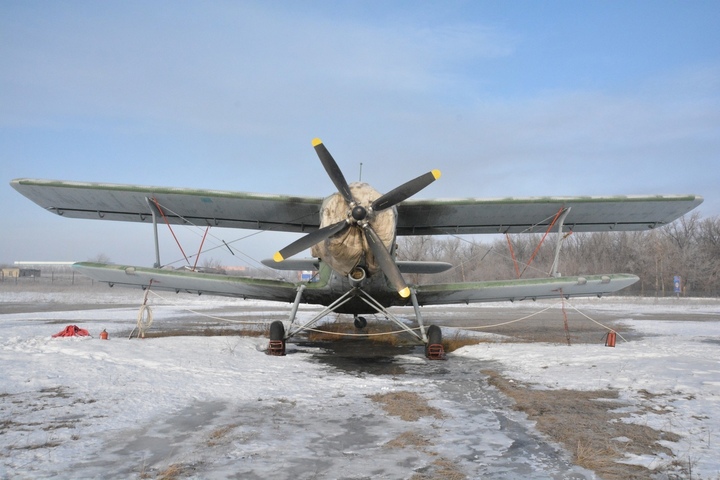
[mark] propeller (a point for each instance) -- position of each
(360, 216)
(309, 240)
(333, 171)
(405, 191)
(387, 264)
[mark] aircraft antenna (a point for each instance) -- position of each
(360, 176)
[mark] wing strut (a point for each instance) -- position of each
(153, 209)
(560, 237)
(159, 209)
(552, 224)
(558, 219)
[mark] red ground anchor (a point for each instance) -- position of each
(610, 339)
(276, 348)
(435, 352)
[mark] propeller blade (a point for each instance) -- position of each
(332, 169)
(387, 264)
(405, 191)
(309, 240)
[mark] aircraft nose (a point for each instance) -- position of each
(359, 213)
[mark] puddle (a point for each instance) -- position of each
(362, 357)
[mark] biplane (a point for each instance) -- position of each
(352, 235)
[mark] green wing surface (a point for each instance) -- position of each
(128, 203)
(107, 201)
(535, 214)
(202, 283)
(515, 290)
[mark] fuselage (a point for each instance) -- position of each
(349, 255)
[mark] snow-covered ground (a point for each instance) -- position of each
(678, 364)
(218, 407)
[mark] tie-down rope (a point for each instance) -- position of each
(393, 332)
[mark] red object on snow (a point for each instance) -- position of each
(72, 331)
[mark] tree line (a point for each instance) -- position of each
(688, 247)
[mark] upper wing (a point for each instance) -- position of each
(522, 215)
(130, 203)
(474, 292)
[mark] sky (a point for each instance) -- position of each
(505, 98)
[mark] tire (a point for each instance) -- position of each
(434, 335)
(277, 330)
(360, 323)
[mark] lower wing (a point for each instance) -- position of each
(492, 291)
(195, 282)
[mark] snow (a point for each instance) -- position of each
(676, 362)
(88, 408)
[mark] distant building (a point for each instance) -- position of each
(15, 272)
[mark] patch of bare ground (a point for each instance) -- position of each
(408, 439)
(409, 406)
(176, 470)
(459, 340)
(440, 468)
(219, 436)
(171, 472)
(584, 423)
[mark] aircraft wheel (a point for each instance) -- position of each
(277, 338)
(434, 349)
(360, 322)
(434, 334)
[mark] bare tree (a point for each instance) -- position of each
(100, 258)
(689, 247)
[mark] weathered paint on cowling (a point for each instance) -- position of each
(349, 248)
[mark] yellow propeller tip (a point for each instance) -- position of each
(277, 257)
(316, 142)
(436, 174)
(405, 292)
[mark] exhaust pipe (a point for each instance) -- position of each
(357, 276)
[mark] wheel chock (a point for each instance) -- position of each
(435, 352)
(276, 348)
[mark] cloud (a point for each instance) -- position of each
(228, 95)
(226, 69)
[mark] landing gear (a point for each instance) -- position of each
(431, 337)
(277, 339)
(434, 349)
(360, 322)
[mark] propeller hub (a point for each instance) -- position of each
(359, 213)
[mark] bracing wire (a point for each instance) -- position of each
(393, 332)
(223, 243)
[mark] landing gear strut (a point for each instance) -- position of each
(431, 337)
